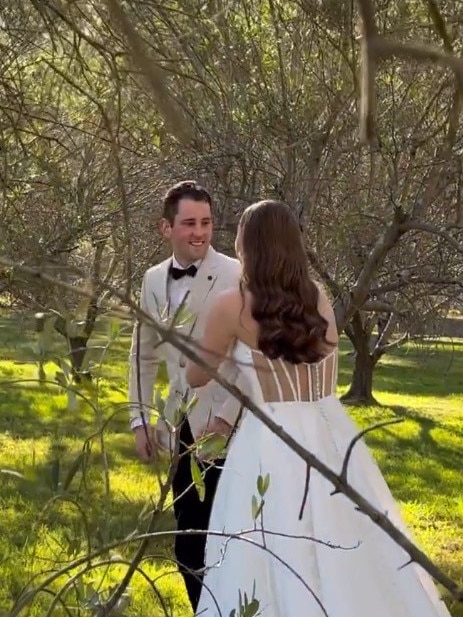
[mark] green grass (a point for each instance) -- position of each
(40, 438)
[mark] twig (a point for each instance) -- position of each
(166, 103)
(412, 225)
(368, 73)
(338, 481)
(375, 47)
(356, 439)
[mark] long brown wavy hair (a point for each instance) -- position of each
(275, 272)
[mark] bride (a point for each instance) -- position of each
(304, 553)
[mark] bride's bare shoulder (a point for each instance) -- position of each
(234, 295)
(229, 301)
(325, 308)
(233, 305)
(323, 296)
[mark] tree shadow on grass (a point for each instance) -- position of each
(420, 467)
(49, 532)
(432, 369)
(18, 335)
(31, 411)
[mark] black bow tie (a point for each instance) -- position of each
(177, 273)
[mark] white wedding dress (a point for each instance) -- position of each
(331, 560)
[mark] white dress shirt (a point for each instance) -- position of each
(177, 289)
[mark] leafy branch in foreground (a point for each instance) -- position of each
(186, 347)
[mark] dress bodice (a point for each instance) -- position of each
(278, 381)
(282, 533)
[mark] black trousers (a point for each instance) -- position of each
(191, 513)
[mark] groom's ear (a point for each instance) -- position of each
(165, 228)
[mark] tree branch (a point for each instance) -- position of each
(172, 337)
(155, 76)
(387, 240)
(378, 306)
(375, 47)
(413, 224)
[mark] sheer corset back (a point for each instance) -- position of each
(278, 381)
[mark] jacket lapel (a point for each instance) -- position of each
(158, 289)
(203, 282)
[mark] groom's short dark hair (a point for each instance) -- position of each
(187, 189)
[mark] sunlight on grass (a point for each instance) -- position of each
(44, 526)
(421, 456)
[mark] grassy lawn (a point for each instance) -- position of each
(50, 517)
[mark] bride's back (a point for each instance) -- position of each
(277, 379)
(280, 381)
(249, 329)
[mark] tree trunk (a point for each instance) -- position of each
(361, 388)
(78, 350)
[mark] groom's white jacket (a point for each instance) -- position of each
(216, 273)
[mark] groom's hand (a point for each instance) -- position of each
(217, 426)
(212, 441)
(145, 443)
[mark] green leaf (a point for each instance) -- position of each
(64, 366)
(60, 379)
(74, 468)
(252, 608)
(162, 377)
(178, 417)
(183, 315)
(212, 446)
(145, 511)
(197, 478)
(113, 327)
(263, 484)
(191, 404)
(159, 402)
(184, 409)
(256, 507)
(54, 474)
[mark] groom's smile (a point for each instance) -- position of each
(191, 231)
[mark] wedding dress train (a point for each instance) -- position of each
(320, 558)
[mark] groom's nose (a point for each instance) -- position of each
(198, 231)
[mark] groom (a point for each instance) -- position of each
(194, 274)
